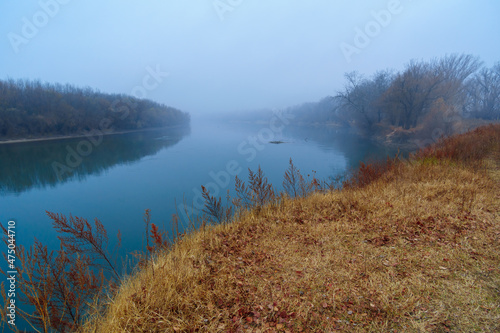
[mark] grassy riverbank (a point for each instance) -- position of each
(413, 249)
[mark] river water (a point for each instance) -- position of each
(116, 177)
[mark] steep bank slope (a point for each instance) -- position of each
(418, 249)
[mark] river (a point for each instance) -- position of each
(116, 177)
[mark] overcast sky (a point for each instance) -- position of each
(232, 55)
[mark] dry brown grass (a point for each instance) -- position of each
(416, 250)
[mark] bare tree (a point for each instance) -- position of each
(483, 94)
(414, 91)
(360, 98)
(456, 71)
(381, 82)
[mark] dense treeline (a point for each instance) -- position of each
(425, 99)
(438, 94)
(31, 109)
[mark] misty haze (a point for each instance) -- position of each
(243, 166)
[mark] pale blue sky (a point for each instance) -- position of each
(231, 55)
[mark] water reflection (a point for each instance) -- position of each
(343, 141)
(41, 164)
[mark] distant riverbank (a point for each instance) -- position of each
(93, 133)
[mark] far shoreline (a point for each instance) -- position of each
(77, 136)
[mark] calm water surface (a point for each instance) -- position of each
(125, 174)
